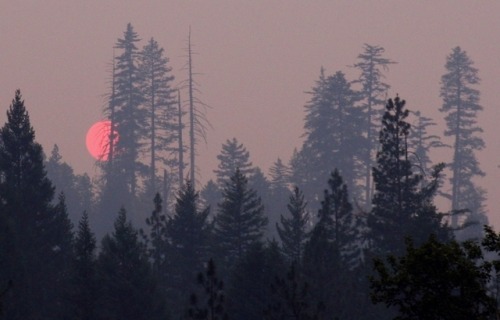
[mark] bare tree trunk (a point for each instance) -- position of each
(181, 146)
(192, 141)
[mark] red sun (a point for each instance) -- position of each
(97, 140)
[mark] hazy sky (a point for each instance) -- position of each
(256, 59)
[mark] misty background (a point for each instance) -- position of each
(255, 61)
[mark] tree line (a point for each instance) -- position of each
(311, 271)
(348, 229)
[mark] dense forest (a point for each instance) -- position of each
(348, 228)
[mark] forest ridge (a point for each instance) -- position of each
(337, 232)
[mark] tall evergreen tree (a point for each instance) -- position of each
(128, 287)
(371, 65)
(333, 134)
(159, 101)
(398, 203)
(240, 221)
(32, 232)
(233, 156)
(461, 106)
(129, 115)
(293, 230)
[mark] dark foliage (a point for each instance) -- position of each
(438, 280)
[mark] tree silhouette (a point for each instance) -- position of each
(240, 221)
(371, 65)
(461, 105)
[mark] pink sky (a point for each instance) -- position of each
(257, 58)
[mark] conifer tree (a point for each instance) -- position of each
(371, 65)
(128, 288)
(84, 273)
(293, 230)
(461, 106)
(399, 204)
(129, 115)
(188, 233)
(240, 221)
(333, 134)
(330, 252)
(32, 228)
(233, 156)
(159, 102)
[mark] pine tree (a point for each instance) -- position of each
(84, 274)
(373, 92)
(333, 134)
(32, 233)
(461, 105)
(336, 215)
(399, 204)
(130, 117)
(293, 230)
(188, 233)
(159, 101)
(233, 156)
(330, 252)
(128, 286)
(240, 221)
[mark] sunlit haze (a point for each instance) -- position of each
(254, 63)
